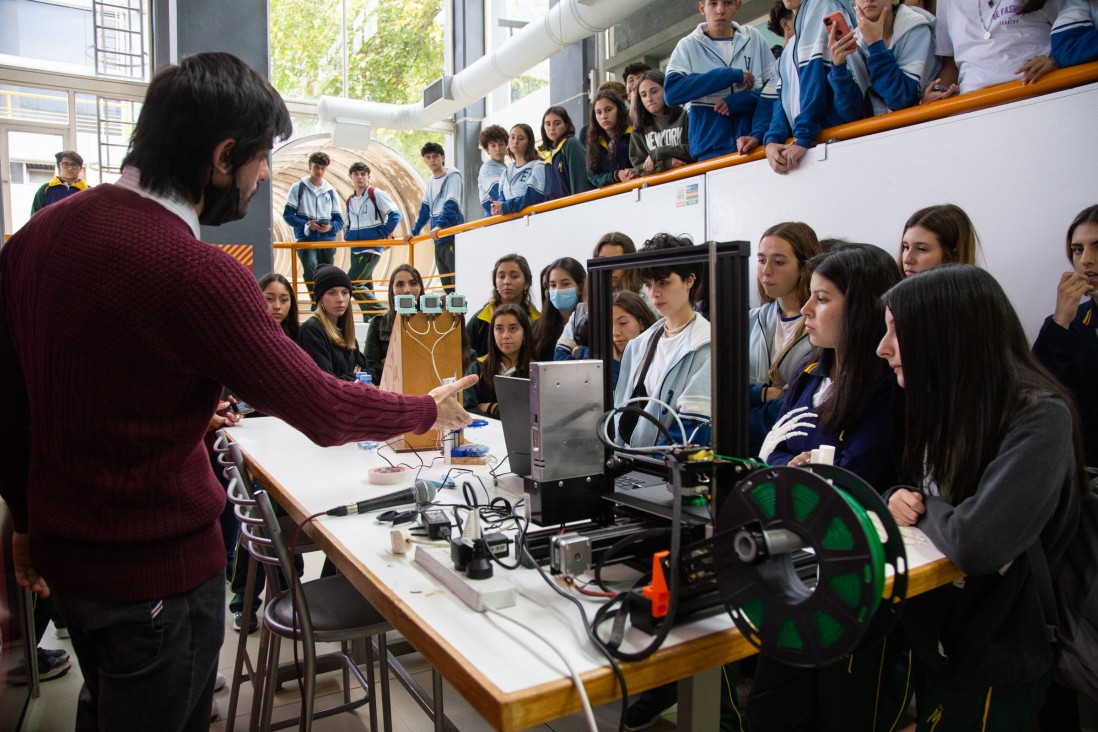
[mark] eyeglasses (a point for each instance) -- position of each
(73, 166)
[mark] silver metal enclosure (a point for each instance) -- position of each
(565, 406)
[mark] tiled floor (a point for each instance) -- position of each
(55, 709)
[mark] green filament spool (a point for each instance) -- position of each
(800, 616)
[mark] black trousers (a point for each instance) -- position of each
(148, 665)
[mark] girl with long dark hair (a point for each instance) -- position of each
(1068, 342)
(404, 280)
(511, 283)
(993, 449)
(561, 295)
(851, 392)
(281, 303)
(660, 139)
(566, 168)
(509, 355)
(608, 141)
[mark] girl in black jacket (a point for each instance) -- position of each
(993, 447)
(329, 336)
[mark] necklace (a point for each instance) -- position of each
(980, 9)
(668, 332)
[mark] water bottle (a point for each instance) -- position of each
(365, 378)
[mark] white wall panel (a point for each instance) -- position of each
(1021, 171)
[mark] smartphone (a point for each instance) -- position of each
(842, 29)
(241, 408)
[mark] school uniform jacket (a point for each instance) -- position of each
(305, 203)
(441, 206)
(566, 170)
(697, 74)
(865, 447)
(686, 385)
(488, 184)
(1071, 354)
(764, 322)
(892, 77)
(1074, 34)
(522, 185)
(478, 328)
(802, 101)
(370, 219)
(613, 156)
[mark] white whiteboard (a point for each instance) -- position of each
(1022, 172)
(677, 208)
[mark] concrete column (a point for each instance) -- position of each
(569, 79)
(240, 28)
(468, 35)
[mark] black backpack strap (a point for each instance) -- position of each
(628, 422)
(1038, 567)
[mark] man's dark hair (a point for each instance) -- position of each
(432, 147)
(191, 108)
(492, 133)
(319, 158)
(637, 67)
(72, 155)
(359, 167)
(652, 273)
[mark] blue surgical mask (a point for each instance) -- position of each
(564, 298)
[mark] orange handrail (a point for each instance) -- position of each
(294, 246)
(991, 97)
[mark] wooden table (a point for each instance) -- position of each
(507, 675)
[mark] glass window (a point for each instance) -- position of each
(77, 37)
(27, 104)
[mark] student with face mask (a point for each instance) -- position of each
(562, 294)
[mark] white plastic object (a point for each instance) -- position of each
(400, 541)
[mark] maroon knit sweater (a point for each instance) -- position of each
(117, 331)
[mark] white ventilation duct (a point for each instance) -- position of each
(566, 23)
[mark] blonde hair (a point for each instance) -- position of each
(341, 332)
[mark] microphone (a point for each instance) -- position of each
(420, 493)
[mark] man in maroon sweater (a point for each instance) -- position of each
(106, 395)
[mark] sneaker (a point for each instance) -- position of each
(238, 622)
(215, 713)
(643, 714)
(51, 667)
(219, 681)
(58, 653)
(62, 633)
